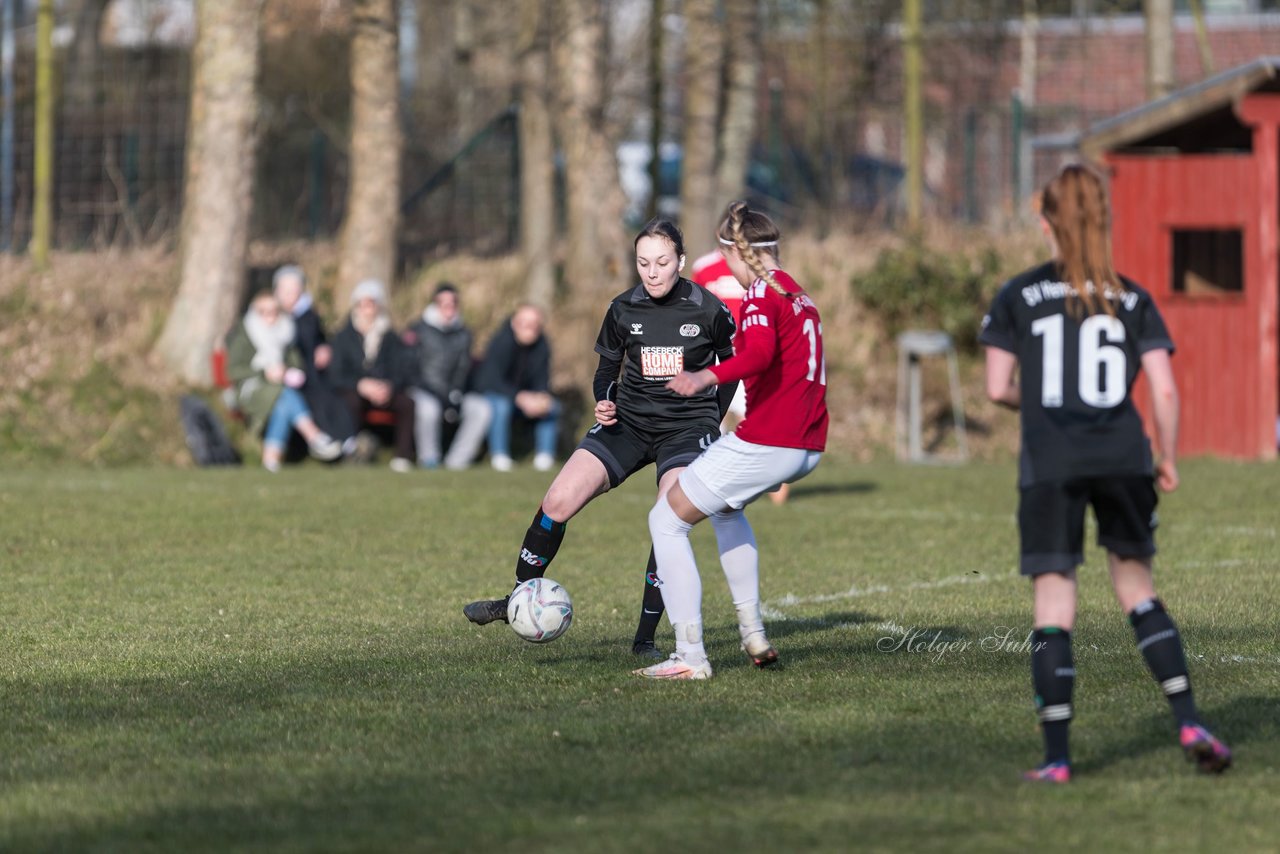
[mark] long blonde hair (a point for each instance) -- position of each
(1074, 203)
(745, 230)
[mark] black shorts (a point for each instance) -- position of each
(625, 449)
(1051, 520)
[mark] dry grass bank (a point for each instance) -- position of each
(79, 384)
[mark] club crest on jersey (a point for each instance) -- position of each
(637, 329)
(661, 363)
(690, 330)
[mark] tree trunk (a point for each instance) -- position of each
(742, 61)
(371, 226)
(537, 158)
(42, 206)
(592, 196)
(1159, 19)
(217, 193)
(656, 66)
(702, 52)
(83, 75)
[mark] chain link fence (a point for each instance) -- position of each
(1005, 95)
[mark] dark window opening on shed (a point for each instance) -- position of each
(1208, 262)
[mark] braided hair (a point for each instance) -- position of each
(746, 230)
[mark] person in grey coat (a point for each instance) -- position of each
(442, 346)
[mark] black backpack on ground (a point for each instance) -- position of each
(205, 434)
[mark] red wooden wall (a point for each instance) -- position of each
(1226, 361)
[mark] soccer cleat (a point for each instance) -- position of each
(486, 611)
(1050, 772)
(676, 667)
(646, 649)
(1202, 747)
(759, 650)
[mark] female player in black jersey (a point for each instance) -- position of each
(661, 327)
(1079, 333)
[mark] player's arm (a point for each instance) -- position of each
(611, 347)
(604, 386)
(1002, 387)
(757, 341)
(723, 328)
(1164, 408)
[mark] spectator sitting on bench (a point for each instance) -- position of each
(515, 378)
(369, 368)
(442, 344)
(328, 410)
(265, 368)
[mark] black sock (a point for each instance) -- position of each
(1053, 676)
(651, 606)
(1161, 645)
(541, 542)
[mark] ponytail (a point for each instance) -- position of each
(1074, 203)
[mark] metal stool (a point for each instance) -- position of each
(912, 347)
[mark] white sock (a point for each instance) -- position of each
(678, 572)
(740, 560)
(689, 642)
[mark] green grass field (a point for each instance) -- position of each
(223, 660)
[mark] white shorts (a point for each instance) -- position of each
(732, 473)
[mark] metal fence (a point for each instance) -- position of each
(1002, 105)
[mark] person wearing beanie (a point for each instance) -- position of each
(370, 368)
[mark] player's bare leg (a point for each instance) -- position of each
(582, 478)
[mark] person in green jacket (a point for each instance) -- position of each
(266, 368)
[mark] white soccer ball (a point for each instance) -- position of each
(539, 610)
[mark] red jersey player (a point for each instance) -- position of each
(778, 354)
(713, 273)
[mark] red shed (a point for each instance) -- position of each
(1195, 194)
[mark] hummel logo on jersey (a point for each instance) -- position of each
(637, 329)
(531, 558)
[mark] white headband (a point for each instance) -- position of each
(761, 245)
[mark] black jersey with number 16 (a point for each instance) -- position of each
(655, 340)
(1077, 375)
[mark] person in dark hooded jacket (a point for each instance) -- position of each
(515, 377)
(442, 345)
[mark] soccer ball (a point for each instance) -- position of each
(539, 610)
